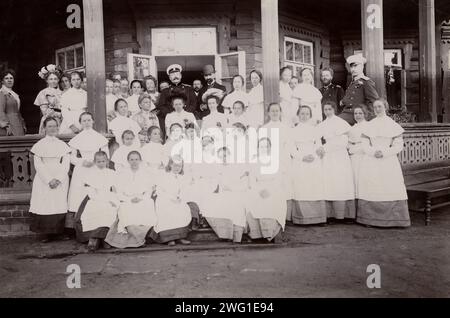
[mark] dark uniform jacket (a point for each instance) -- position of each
(332, 93)
(200, 114)
(360, 91)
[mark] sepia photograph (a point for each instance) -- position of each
(225, 155)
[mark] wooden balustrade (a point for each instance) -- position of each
(424, 144)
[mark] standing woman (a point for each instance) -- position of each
(255, 111)
(173, 212)
(122, 122)
(48, 205)
(49, 99)
(64, 83)
(151, 88)
(382, 200)
(337, 167)
(266, 202)
(288, 105)
(84, 146)
(308, 95)
(310, 207)
(355, 148)
(237, 94)
(73, 104)
(133, 101)
(11, 121)
(279, 132)
(153, 151)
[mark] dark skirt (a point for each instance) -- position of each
(70, 220)
(82, 236)
(169, 235)
(262, 228)
(225, 229)
(290, 210)
(48, 224)
(383, 213)
(309, 212)
(341, 209)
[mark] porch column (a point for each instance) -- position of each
(94, 46)
(427, 62)
(373, 42)
(270, 52)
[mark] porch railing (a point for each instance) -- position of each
(424, 144)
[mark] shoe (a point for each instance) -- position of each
(171, 243)
(93, 245)
(184, 242)
(106, 246)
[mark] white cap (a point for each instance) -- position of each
(174, 68)
(356, 59)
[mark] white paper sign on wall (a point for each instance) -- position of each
(374, 19)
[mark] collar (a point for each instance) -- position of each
(361, 77)
(331, 85)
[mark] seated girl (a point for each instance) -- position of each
(153, 152)
(172, 210)
(172, 147)
(98, 211)
(266, 203)
(136, 215)
(238, 115)
(120, 156)
(223, 207)
(143, 137)
(146, 117)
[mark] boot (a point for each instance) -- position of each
(93, 244)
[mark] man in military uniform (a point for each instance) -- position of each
(330, 91)
(164, 106)
(211, 88)
(361, 90)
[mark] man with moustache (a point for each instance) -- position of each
(361, 90)
(330, 91)
(164, 106)
(211, 88)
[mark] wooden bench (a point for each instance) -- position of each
(428, 187)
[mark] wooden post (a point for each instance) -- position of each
(271, 52)
(427, 62)
(445, 50)
(373, 42)
(94, 46)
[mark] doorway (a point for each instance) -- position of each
(192, 67)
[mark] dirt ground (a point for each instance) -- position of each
(315, 261)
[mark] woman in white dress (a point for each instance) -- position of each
(73, 104)
(238, 115)
(383, 200)
(120, 156)
(355, 148)
(122, 122)
(280, 136)
(49, 99)
(136, 215)
(133, 100)
(84, 146)
(337, 167)
(255, 110)
(98, 211)
(308, 177)
(48, 205)
(238, 93)
(173, 212)
(308, 95)
(266, 202)
(172, 147)
(289, 105)
(153, 152)
(224, 208)
(215, 123)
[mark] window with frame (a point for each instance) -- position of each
(71, 58)
(298, 54)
